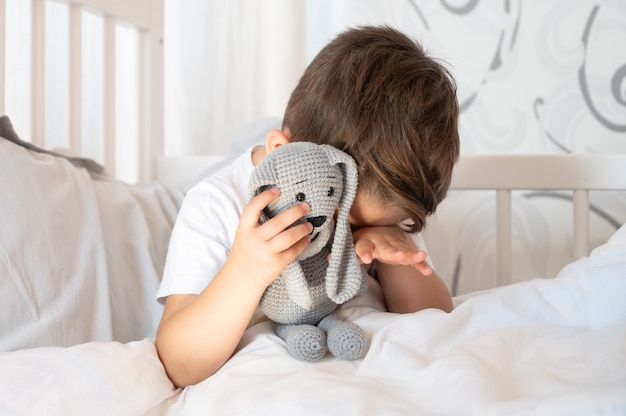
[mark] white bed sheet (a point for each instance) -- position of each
(546, 346)
(97, 378)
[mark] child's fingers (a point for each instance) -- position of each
(364, 250)
(392, 255)
(284, 220)
(415, 259)
(419, 256)
(291, 236)
(409, 257)
(424, 268)
(252, 211)
(297, 248)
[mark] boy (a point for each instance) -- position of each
(372, 93)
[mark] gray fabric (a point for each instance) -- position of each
(310, 288)
(7, 131)
(304, 342)
(345, 340)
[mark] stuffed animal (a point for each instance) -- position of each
(300, 302)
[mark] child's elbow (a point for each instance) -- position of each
(181, 369)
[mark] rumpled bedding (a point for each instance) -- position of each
(81, 254)
(545, 346)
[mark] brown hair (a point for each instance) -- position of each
(373, 93)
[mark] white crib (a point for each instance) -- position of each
(145, 18)
(81, 256)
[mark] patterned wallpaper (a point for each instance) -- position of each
(533, 77)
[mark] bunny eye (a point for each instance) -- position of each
(331, 191)
(300, 197)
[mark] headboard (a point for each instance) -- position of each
(143, 16)
(578, 174)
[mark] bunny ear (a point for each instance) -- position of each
(343, 276)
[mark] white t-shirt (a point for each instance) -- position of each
(205, 230)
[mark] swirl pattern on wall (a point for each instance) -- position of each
(617, 82)
(548, 78)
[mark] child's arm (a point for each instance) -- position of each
(408, 283)
(198, 333)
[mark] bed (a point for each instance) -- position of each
(81, 253)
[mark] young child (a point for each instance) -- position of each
(371, 92)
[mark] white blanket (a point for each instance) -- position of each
(81, 256)
(551, 347)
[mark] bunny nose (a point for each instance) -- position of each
(317, 221)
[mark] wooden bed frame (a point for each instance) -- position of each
(145, 16)
(503, 174)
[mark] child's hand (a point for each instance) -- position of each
(391, 245)
(264, 250)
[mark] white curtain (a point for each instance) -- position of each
(228, 63)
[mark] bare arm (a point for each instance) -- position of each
(198, 333)
(408, 283)
(407, 290)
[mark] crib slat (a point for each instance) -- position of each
(38, 49)
(144, 162)
(503, 236)
(75, 77)
(578, 172)
(151, 144)
(581, 223)
(109, 94)
(2, 55)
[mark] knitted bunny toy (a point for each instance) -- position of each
(301, 300)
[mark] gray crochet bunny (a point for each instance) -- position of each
(301, 300)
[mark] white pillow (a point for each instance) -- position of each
(81, 255)
(251, 134)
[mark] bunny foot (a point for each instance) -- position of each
(345, 340)
(304, 342)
